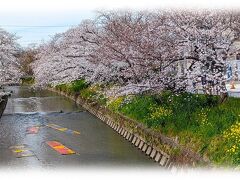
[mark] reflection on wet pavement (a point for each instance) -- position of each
(96, 145)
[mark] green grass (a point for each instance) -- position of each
(82, 88)
(73, 87)
(199, 121)
(28, 81)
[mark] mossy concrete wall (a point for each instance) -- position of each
(163, 150)
(3, 103)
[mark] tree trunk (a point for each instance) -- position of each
(223, 97)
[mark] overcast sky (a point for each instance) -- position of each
(37, 20)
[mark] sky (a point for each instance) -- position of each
(36, 21)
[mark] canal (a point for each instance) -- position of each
(96, 145)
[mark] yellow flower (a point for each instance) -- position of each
(160, 112)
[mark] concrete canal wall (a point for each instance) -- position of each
(163, 150)
(3, 102)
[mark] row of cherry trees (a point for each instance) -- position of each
(140, 51)
(9, 53)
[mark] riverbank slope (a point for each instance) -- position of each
(194, 128)
(164, 150)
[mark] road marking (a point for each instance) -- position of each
(17, 147)
(20, 151)
(62, 129)
(76, 132)
(32, 130)
(61, 149)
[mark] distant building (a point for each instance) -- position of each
(233, 68)
(233, 65)
(232, 73)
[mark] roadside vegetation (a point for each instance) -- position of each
(144, 64)
(198, 122)
(150, 67)
(28, 80)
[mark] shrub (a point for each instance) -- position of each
(28, 80)
(61, 87)
(77, 85)
(87, 93)
(101, 99)
(116, 104)
(200, 122)
(159, 117)
(232, 147)
(139, 107)
(73, 87)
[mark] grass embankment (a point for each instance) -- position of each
(198, 121)
(27, 81)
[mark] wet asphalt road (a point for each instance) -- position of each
(97, 145)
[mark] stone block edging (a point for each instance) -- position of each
(138, 140)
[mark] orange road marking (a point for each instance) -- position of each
(32, 130)
(61, 149)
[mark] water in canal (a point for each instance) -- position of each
(96, 145)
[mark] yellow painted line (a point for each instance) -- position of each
(21, 151)
(18, 150)
(76, 132)
(62, 129)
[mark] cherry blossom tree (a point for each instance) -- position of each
(9, 52)
(153, 45)
(27, 56)
(63, 59)
(144, 51)
(207, 40)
